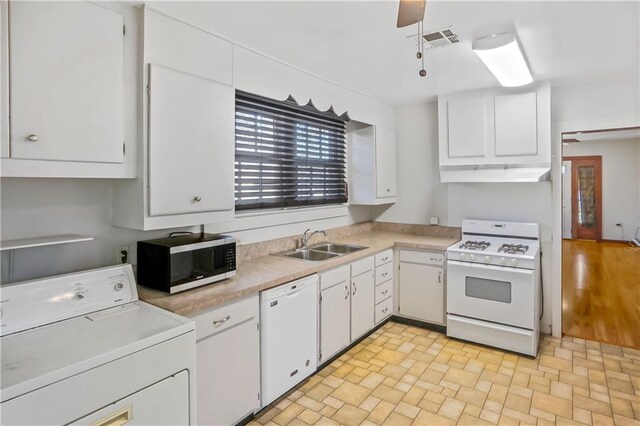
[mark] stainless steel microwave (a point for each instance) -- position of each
(183, 262)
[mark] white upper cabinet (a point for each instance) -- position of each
(516, 125)
(372, 166)
(186, 176)
(67, 84)
(190, 143)
(500, 135)
(466, 126)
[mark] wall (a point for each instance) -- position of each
(420, 193)
(592, 105)
(42, 207)
(620, 184)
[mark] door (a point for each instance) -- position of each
(385, 163)
(566, 200)
(362, 304)
(191, 143)
(335, 313)
(493, 293)
(67, 90)
(421, 292)
(586, 197)
(163, 403)
(228, 369)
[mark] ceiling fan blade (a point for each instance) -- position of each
(410, 12)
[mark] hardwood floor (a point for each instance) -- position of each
(601, 292)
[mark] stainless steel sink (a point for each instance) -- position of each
(337, 248)
(312, 255)
(321, 251)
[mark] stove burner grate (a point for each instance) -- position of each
(513, 249)
(475, 245)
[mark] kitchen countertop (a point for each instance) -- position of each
(265, 272)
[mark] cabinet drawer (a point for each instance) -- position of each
(384, 309)
(224, 317)
(361, 266)
(384, 291)
(384, 257)
(334, 276)
(384, 273)
(423, 257)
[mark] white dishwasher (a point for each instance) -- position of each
(289, 336)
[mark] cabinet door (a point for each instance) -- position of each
(228, 374)
(516, 124)
(385, 163)
(421, 292)
(67, 70)
(362, 304)
(335, 309)
(466, 128)
(191, 143)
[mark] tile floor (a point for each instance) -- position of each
(403, 375)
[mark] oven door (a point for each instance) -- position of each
(492, 293)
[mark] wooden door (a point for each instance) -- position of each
(67, 82)
(335, 310)
(586, 197)
(362, 304)
(421, 292)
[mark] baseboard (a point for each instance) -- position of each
(421, 324)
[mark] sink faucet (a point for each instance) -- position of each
(306, 238)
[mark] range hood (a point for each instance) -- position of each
(495, 173)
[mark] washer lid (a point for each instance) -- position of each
(40, 356)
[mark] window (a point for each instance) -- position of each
(287, 155)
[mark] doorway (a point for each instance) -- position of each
(600, 219)
(585, 186)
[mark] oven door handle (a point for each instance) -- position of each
(485, 324)
(480, 266)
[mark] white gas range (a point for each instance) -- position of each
(493, 285)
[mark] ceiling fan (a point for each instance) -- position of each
(412, 12)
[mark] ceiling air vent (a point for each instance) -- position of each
(438, 38)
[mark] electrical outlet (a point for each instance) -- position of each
(433, 220)
(121, 254)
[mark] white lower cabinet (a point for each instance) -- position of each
(228, 362)
(421, 286)
(384, 285)
(335, 311)
(347, 305)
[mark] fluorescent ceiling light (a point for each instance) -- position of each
(502, 55)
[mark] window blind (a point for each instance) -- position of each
(287, 155)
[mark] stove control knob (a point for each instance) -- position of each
(463, 256)
(79, 295)
(514, 262)
(118, 286)
(487, 259)
(472, 257)
(503, 260)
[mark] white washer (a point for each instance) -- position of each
(81, 349)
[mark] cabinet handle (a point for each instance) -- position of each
(385, 274)
(346, 293)
(384, 259)
(197, 198)
(33, 138)
(439, 277)
(222, 321)
(355, 288)
(388, 189)
(385, 292)
(384, 311)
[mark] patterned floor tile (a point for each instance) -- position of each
(403, 375)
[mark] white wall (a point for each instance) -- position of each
(620, 184)
(599, 104)
(420, 193)
(43, 207)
